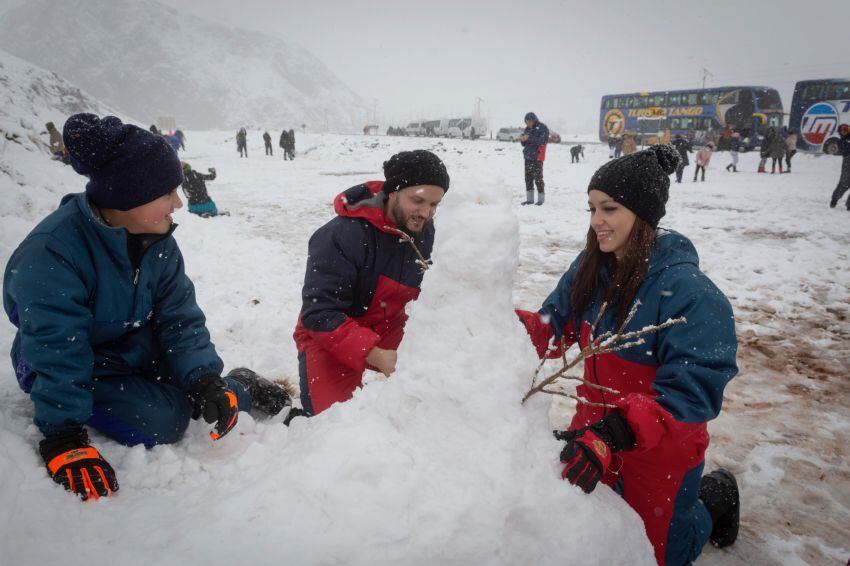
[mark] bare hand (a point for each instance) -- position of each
(524, 138)
(384, 360)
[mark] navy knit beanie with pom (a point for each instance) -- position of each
(640, 181)
(413, 168)
(126, 165)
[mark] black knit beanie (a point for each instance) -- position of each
(640, 181)
(126, 165)
(412, 168)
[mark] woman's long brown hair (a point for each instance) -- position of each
(628, 273)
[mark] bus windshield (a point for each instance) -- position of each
(768, 99)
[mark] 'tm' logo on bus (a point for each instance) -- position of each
(819, 121)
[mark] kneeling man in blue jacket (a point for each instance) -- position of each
(109, 333)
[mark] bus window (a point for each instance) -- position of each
(814, 92)
(689, 99)
(839, 91)
(644, 101)
(707, 98)
(657, 100)
(768, 99)
(606, 104)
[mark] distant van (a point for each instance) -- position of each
(415, 129)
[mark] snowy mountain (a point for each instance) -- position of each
(150, 60)
(31, 97)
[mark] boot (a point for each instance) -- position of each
(761, 169)
(719, 493)
(266, 396)
(734, 168)
(729, 167)
(541, 198)
(529, 198)
(832, 202)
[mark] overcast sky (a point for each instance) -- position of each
(433, 58)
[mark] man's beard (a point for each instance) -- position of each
(402, 219)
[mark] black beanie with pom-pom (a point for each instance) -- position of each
(640, 181)
(126, 165)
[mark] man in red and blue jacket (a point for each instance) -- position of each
(363, 267)
(534, 140)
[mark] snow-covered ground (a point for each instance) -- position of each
(441, 464)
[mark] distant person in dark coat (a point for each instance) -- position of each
(844, 180)
(242, 142)
(154, 129)
(267, 139)
(575, 152)
(534, 140)
(683, 146)
(734, 148)
(290, 144)
(182, 137)
(790, 148)
(195, 188)
(284, 143)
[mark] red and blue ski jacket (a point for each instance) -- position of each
(673, 384)
(360, 275)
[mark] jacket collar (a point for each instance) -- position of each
(365, 201)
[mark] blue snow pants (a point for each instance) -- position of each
(137, 410)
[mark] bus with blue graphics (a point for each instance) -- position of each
(817, 109)
(695, 114)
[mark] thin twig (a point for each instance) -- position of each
(579, 400)
(607, 343)
(423, 263)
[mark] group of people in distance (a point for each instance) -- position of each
(113, 339)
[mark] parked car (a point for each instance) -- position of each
(509, 134)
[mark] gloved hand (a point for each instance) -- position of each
(77, 466)
(587, 455)
(215, 403)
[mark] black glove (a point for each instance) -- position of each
(215, 403)
(77, 466)
(588, 453)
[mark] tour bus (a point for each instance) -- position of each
(817, 109)
(657, 116)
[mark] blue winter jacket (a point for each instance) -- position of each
(534, 148)
(84, 312)
(673, 383)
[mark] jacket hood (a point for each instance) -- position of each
(532, 116)
(365, 201)
(671, 248)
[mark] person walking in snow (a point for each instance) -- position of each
(575, 152)
(770, 148)
(844, 179)
(360, 275)
(267, 139)
(703, 159)
(777, 153)
(181, 137)
(534, 139)
(734, 148)
(195, 188)
(242, 142)
(683, 146)
(790, 148)
(290, 144)
(647, 438)
(109, 335)
(284, 144)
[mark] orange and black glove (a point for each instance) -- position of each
(77, 466)
(215, 403)
(588, 451)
